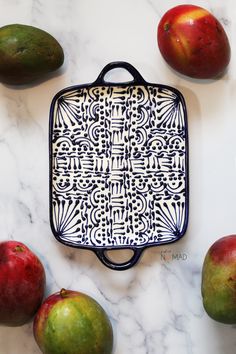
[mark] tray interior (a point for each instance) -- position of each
(118, 166)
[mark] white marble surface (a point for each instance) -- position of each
(155, 307)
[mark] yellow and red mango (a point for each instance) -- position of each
(22, 283)
(219, 280)
(73, 323)
(193, 42)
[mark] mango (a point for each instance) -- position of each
(27, 54)
(71, 322)
(193, 42)
(219, 280)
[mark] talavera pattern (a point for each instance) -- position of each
(118, 164)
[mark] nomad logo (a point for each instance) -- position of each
(168, 255)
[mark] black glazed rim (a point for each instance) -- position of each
(138, 81)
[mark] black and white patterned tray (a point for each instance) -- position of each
(118, 166)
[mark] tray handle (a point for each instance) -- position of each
(101, 254)
(137, 77)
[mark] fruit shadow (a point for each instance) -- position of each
(222, 76)
(46, 77)
(223, 334)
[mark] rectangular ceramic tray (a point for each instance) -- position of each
(118, 165)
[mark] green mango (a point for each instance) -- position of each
(27, 53)
(219, 280)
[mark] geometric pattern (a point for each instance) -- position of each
(119, 166)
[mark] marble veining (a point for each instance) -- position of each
(155, 307)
